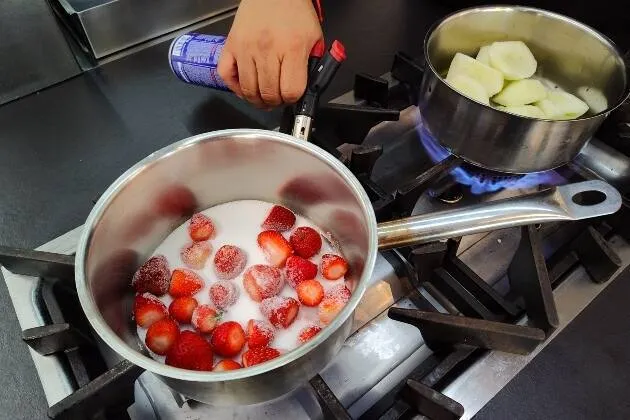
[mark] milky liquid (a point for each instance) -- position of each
(238, 223)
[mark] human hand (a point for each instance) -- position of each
(266, 53)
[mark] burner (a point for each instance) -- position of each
(480, 180)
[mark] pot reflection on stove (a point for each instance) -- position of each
(480, 180)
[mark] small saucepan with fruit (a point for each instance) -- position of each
(230, 264)
(517, 89)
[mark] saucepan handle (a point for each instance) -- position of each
(576, 201)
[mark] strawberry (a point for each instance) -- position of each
(175, 200)
(185, 282)
(340, 292)
(148, 309)
(161, 336)
(299, 269)
(262, 281)
(196, 254)
(228, 339)
(305, 241)
(308, 333)
(181, 309)
(279, 218)
(223, 294)
(259, 333)
(200, 228)
(190, 351)
(229, 262)
(259, 355)
(152, 276)
(225, 365)
(328, 309)
(333, 266)
(275, 247)
(310, 292)
(204, 318)
(280, 310)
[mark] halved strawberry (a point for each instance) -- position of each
(196, 254)
(259, 355)
(181, 308)
(148, 309)
(204, 318)
(228, 339)
(225, 365)
(190, 351)
(223, 294)
(299, 269)
(279, 218)
(275, 247)
(229, 262)
(280, 310)
(262, 281)
(310, 292)
(339, 291)
(259, 333)
(185, 282)
(333, 302)
(305, 241)
(308, 333)
(162, 335)
(333, 266)
(153, 276)
(201, 227)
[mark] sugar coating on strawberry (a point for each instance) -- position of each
(229, 262)
(225, 365)
(339, 292)
(262, 281)
(161, 336)
(333, 266)
(298, 269)
(259, 333)
(205, 318)
(310, 292)
(279, 218)
(196, 254)
(185, 282)
(305, 241)
(223, 294)
(153, 276)
(181, 309)
(281, 311)
(275, 247)
(308, 333)
(201, 227)
(148, 309)
(259, 355)
(190, 351)
(228, 339)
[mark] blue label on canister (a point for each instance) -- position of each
(194, 59)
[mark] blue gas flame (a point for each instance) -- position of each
(480, 184)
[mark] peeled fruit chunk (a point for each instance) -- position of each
(490, 79)
(469, 87)
(513, 59)
(560, 105)
(484, 55)
(594, 98)
(524, 110)
(521, 92)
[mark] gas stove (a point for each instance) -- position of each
(442, 327)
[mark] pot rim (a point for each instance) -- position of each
(586, 28)
(136, 357)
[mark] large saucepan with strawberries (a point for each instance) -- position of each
(224, 362)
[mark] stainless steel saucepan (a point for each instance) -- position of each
(569, 54)
(152, 198)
